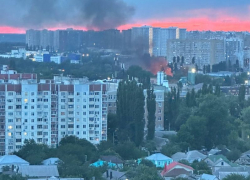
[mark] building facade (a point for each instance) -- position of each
(49, 110)
(204, 51)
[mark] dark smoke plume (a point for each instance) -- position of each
(92, 14)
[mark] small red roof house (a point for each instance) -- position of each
(176, 169)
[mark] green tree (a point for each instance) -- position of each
(143, 172)
(201, 167)
(32, 152)
(241, 96)
(128, 151)
(130, 112)
(151, 107)
(217, 90)
(235, 176)
(194, 132)
(215, 110)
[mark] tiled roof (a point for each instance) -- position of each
(158, 157)
(12, 159)
(189, 156)
(38, 171)
(208, 177)
(176, 172)
(169, 167)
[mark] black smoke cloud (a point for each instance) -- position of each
(92, 14)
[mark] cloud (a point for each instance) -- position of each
(93, 14)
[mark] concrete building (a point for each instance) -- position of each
(159, 111)
(234, 50)
(161, 37)
(32, 38)
(48, 110)
(19, 53)
(143, 37)
(205, 52)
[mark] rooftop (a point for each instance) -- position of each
(12, 159)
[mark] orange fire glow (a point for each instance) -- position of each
(158, 64)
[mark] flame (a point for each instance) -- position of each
(158, 64)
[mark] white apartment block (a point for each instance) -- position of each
(161, 37)
(50, 110)
(205, 51)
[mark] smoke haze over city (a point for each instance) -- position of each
(89, 14)
(17, 16)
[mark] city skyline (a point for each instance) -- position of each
(195, 15)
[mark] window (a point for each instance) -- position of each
(39, 99)
(10, 107)
(63, 100)
(62, 126)
(10, 93)
(71, 126)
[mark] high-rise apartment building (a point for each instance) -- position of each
(33, 38)
(48, 110)
(204, 51)
(234, 50)
(142, 39)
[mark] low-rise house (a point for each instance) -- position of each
(110, 161)
(225, 171)
(51, 161)
(190, 156)
(39, 171)
(218, 161)
(158, 159)
(12, 161)
(208, 177)
(176, 169)
(214, 152)
(114, 175)
(244, 158)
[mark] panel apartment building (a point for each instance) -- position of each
(48, 110)
(205, 51)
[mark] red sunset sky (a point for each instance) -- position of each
(200, 24)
